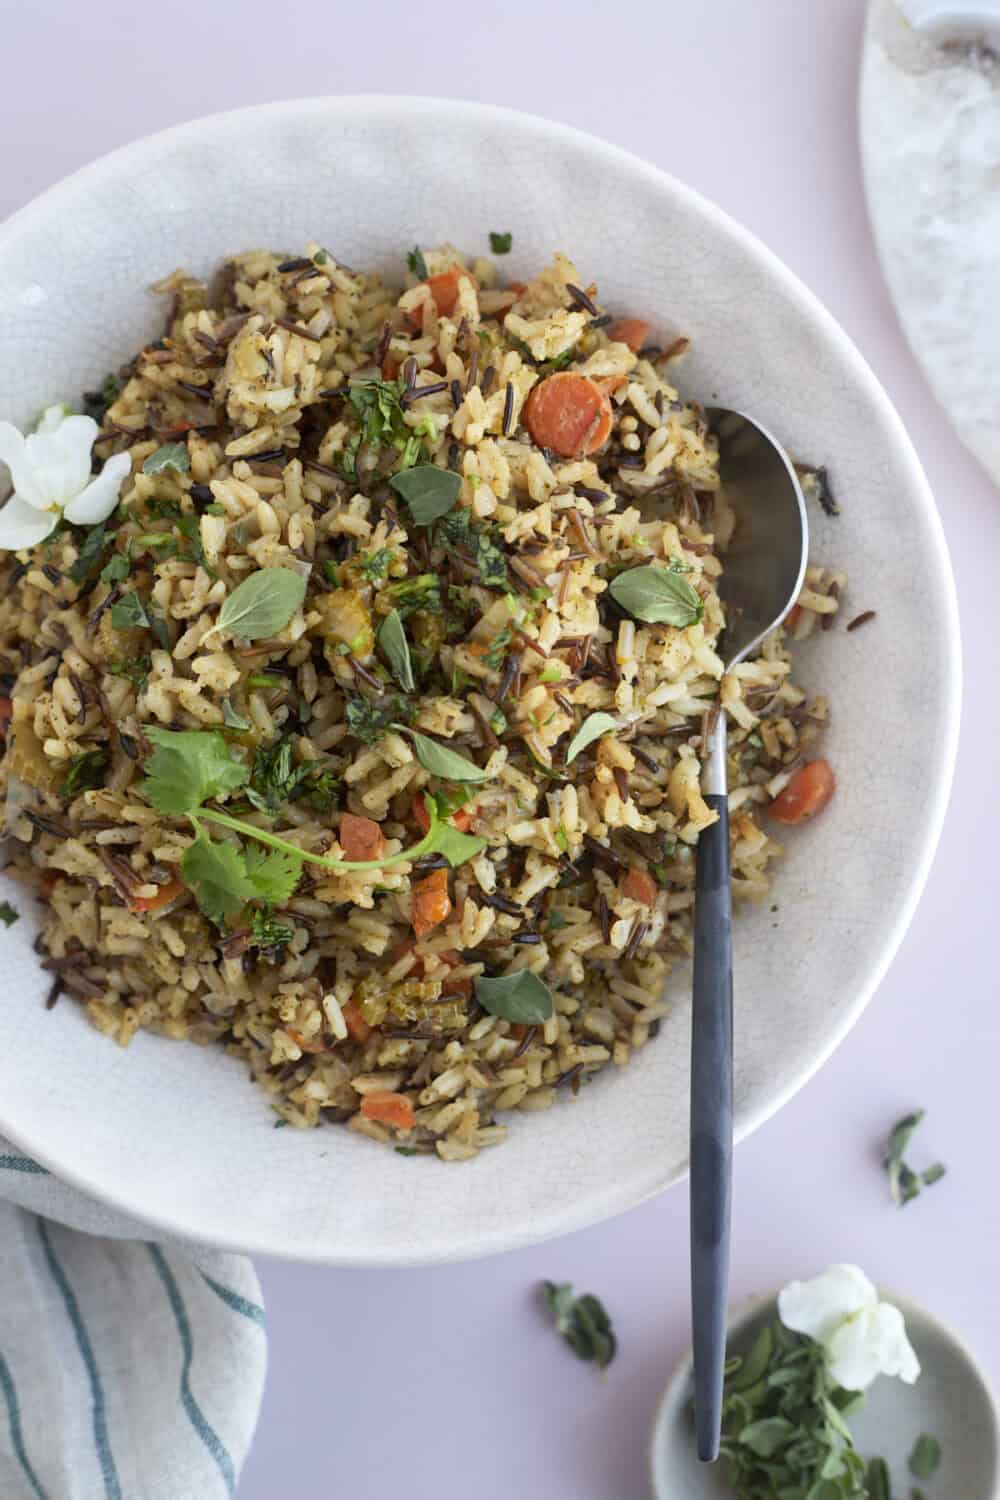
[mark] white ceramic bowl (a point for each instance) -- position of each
(173, 1133)
(951, 1401)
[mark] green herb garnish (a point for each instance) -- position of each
(582, 1321)
(170, 456)
(422, 591)
(556, 921)
(8, 914)
(232, 719)
(262, 604)
(522, 997)
(267, 932)
(904, 1183)
(117, 568)
(441, 761)
(657, 595)
(416, 264)
(378, 404)
(458, 529)
(392, 641)
(369, 718)
(91, 551)
(129, 613)
(189, 768)
(592, 728)
(372, 566)
(136, 671)
(877, 1482)
(493, 656)
(86, 771)
(925, 1457)
(500, 243)
(429, 492)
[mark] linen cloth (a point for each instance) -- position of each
(129, 1369)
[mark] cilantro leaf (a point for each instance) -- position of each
(274, 873)
(267, 931)
(188, 767)
(216, 872)
(416, 264)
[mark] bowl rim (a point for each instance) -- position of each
(743, 1313)
(626, 1193)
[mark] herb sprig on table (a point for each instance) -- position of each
(582, 1321)
(904, 1183)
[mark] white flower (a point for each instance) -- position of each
(50, 470)
(862, 1336)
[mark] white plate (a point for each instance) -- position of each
(930, 143)
(950, 1401)
(174, 1134)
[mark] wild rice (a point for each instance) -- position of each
(334, 998)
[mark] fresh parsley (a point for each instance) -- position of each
(582, 1321)
(904, 1183)
(379, 408)
(92, 549)
(96, 403)
(925, 1457)
(369, 718)
(135, 671)
(373, 566)
(266, 932)
(458, 529)
(8, 914)
(117, 568)
(407, 595)
(129, 613)
(500, 243)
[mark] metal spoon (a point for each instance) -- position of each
(764, 567)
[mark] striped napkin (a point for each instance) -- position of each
(128, 1370)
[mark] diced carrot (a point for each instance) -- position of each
(421, 816)
(568, 413)
(462, 819)
(610, 383)
(358, 1028)
(641, 886)
(793, 617)
(360, 838)
(163, 898)
(6, 715)
(431, 902)
(444, 291)
(515, 286)
(631, 331)
(313, 1044)
(390, 367)
(808, 792)
(389, 1109)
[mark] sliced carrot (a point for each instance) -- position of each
(421, 816)
(358, 1028)
(389, 1109)
(6, 715)
(444, 291)
(806, 794)
(431, 902)
(610, 383)
(568, 413)
(462, 819)
(163, 898)
(360, 838)
(640, 886)
(631, 331)
(793, 617)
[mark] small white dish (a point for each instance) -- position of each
(951, 1401)
(172, 1134)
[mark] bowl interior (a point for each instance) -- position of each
(173, 1133)
(950, 1401)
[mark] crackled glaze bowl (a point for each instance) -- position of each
(172, 1133)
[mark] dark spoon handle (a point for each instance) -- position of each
(711, 1124)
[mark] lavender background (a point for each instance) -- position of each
(447, 1381)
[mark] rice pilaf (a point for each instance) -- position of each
(272, 428)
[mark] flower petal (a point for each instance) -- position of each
(53, 417)
(13, 454)
(873, 1342)
(816, 1307)
(59, 454)
(98, 500)
(22, 525)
